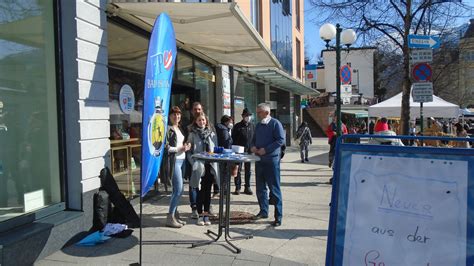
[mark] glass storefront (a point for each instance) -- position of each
(281, 33)
(247, 94)
(205, 83)
(29, 153)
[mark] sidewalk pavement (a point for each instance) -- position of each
(300, 240)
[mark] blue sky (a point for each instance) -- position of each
(311, 31)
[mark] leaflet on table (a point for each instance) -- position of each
(223, 155)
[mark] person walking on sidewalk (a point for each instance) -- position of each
(202, 139)
(176, 156)
(304, 135)
(267, 141)
(242, 135)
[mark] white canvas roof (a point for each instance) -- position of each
(392, 108)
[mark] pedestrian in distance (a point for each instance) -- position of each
(266, 143)
(303, 134)
(176, 155)
(332, 138)
(242, 135)
(202, 139)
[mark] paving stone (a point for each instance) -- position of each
(210, 259)
(249, 263)
(301, 240)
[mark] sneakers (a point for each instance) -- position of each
(237, 192)
(194, 214)
(302, 160)
(203, 220)
(248, 191)
(306, 160)
(200, 221)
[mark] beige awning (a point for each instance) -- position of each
(217, 32)
(280, 79)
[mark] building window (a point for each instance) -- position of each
(29, 141)
(298, 58)
(256, 14)
(297, 10)
(314, 85)
(281, 33)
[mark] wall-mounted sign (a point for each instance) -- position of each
(126, 99)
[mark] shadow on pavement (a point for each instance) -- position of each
(110, 247)
(304, 184)
(279, 233)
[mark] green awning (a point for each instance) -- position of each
(280, 79)
(357, 113)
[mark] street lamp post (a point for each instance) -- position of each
(347, 37)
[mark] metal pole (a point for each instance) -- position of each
(421, 124)
(141, 211)
(338, 80)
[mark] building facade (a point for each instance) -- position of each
(361, 61)
(65, 66)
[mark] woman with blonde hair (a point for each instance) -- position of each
(202, 139)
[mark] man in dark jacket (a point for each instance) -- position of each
(242, 135)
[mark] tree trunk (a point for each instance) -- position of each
(405, 112)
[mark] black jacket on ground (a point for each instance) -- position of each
(223, 136)
(242, 134)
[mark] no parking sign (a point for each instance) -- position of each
(346, 77)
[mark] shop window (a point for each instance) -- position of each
(125, 103)
(205, 84)
(184, 66)
(245, 95)
(29, 141)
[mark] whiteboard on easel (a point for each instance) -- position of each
(405, 210)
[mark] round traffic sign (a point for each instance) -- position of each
(422, 72)
(346, 77)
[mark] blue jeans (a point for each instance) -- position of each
(193, 196)
(268, 174)
(177, 182)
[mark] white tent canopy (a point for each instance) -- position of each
(392, 108)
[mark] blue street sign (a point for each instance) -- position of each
(422, 41)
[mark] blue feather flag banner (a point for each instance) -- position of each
(159, 74)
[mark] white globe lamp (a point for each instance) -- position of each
(327, 32)
(348, 37)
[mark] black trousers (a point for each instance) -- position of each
(204, 194)
(238, 178)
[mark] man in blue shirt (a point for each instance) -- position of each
(266, 143)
